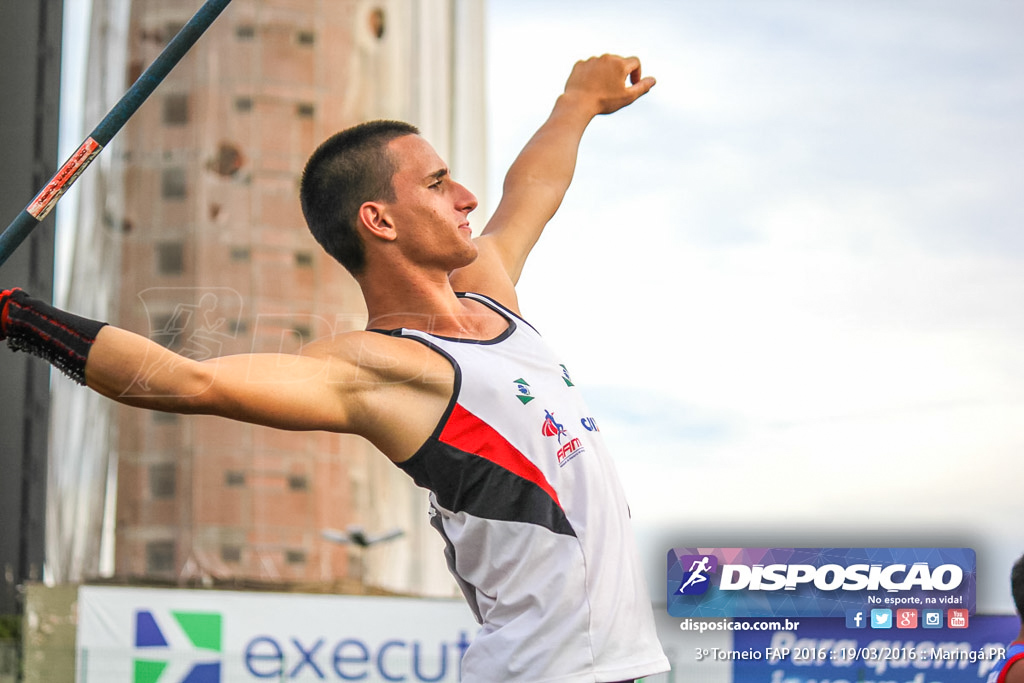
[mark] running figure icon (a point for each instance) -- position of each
(698, 573)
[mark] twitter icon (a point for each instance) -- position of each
(881, 618)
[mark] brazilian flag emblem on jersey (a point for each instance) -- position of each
(523, 391)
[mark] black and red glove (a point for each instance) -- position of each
(5, 297)
(34, 326)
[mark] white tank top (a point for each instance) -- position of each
(534, 518)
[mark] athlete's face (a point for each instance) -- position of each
(431, 210)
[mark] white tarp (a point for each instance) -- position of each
(81, 485)
(137, 635)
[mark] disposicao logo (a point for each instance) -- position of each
(817, 582)
(696, 579)
(203, 632)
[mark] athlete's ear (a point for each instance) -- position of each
(373, 216)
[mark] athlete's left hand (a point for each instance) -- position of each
(601, 82)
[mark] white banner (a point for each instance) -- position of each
(136, 635)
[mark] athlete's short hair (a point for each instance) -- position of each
(1017, 585)
(348, 169)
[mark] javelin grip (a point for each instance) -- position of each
(44, 202)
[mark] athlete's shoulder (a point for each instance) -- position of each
(1011, 668)
(394, 389)
(378, 358)
(1014, 671)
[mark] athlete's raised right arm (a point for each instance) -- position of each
(541, 174)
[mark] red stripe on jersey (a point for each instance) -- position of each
(468, 433)
(1014, 654)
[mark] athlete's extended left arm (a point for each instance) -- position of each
(538, 179)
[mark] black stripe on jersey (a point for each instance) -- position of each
(464, 482)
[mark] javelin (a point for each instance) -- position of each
(44, 202)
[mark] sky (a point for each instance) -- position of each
(790, 277)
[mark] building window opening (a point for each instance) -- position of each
(176, 109)
(162, 481)
(170, 258)
(160, 557)
(172, 183)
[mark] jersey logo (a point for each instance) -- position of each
(552, 428)
(565, 376)
(523, 391)
(568, 446)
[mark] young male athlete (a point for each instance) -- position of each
(455, 388)
(1011, 668)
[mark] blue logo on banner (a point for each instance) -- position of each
(856, 618)
(203, 631)
(817, 582)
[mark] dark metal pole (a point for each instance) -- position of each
(44, 202)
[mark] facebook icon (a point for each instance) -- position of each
(855, 619)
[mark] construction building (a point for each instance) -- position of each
(191, 233)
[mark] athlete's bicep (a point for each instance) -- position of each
(285, 391)
(278, 390)
(340, 384)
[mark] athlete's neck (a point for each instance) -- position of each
(433, 309)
